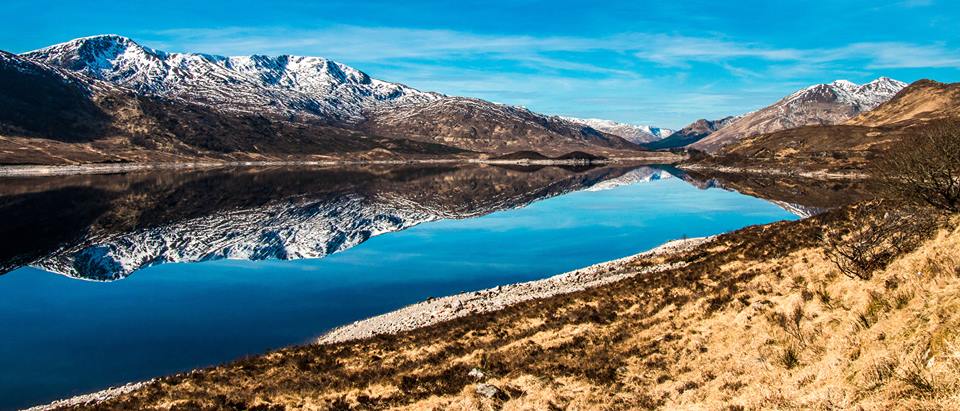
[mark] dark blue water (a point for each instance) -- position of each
(63, 336)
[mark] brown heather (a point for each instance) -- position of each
(759, 319)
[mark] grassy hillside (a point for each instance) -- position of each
(755, 319)
(921, 108)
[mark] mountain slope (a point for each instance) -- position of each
(754, 319)
(203, 105)
(920, 101)
(287, 85)
(38, 101)
(483, 126)
(690, 134)
(633, 133)
(820, 104)
(855, 144)
(52, 116)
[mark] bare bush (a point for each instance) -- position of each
(914, 373)
(860, 250)
(925, 170)
(791, 323)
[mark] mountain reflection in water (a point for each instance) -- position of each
(105, 227)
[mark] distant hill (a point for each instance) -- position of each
(634, 133)
(856, 143)
(579, 155)
(690, 134)
(482, 126)
(533, 155)
(820, 104)
(921, 101)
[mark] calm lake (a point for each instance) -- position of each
(118, 278)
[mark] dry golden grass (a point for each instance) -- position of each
(760, 319)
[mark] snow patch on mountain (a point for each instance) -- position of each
(798, 210)
(862, 97)
(634, 133)
(283, 84)
(819, 104)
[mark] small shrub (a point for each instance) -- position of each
(869, 243)
(864, 321)
(791, 323)
(876, 306)
(880, 373)
(687, 386)
(914, 374)
(734, 386)
(339, 404)
(902, 298)
(927, 169)
(790, 358)
(824, 297)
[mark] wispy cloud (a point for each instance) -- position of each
(383, 44)
(682, 50)
(886, 55)
(627, 76)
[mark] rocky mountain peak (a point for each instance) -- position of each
(285, 84)
(819, 104)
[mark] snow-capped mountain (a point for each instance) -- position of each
(634, 133)
(635, 176)
(158, 105)
(864, 97)
(819, 104)
(282, 84)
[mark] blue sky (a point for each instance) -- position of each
(660, 63)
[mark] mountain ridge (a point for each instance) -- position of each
(690, 134)
(850, 147)
(819, 104)
(285, 84)
(922, 100)
(634, 133)
(155, 106)
(480, 125)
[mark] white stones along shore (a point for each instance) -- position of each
(90, 399)
(438, 310)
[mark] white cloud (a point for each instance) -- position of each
(384, 44)
(887, 55)
(627, 77)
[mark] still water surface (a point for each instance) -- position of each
(401, 238)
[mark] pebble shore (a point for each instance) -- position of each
(438, 310)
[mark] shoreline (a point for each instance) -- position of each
(437, 310)
(59, 170)
(824, 175)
